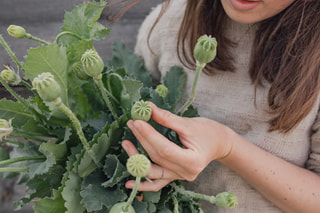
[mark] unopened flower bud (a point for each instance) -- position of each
(205, 50)
(138, 165)
(48, 89)
(5, 128)
(162, 90)
(226, 200)
(92, 63)
(16, 31)
(79, 71)
(10, 76)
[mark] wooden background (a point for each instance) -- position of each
(44, 18)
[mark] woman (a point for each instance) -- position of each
(258, 136)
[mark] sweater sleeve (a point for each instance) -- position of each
(313, 162)
(149, 50)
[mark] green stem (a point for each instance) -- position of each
(29, 36)
(66, 33)
(12, 142)
(13, 169)
(176, 204)
(26, 84)
(77, 125)
(199, 68)
(210, 199)
(25, 158)
(13, 93)
(106, 98)
(133, 193)
(10, 52)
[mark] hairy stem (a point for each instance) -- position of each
(106, 96)
(211, 199)
(13, 169)
(10, 52)
(77, 125)
(25, 158)
(66, 33)
(199, 68)
(31, 37)
(14, 94)
(176, 204)
(133, 193)
(12, 142)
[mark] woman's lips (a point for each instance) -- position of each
(244, 5)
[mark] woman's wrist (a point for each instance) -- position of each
(228, 144)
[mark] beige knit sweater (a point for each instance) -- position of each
(228, 97)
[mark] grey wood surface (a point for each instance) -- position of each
(44, 18)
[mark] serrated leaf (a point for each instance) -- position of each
(82, 21)
(87, 165)
(115, 171)
(71, 194)
(124, 58)
(174, 81)
(53, 153)
(94, 196)
(133, 89)
(50, 205)
(77, 48)
(51, 58)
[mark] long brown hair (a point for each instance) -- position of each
(286, 53)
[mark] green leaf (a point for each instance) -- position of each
(87, 165)
(71, 194)
(53, 152)
(133, 89)
(94, 196)
(82, 21)
(152, 197)
(174, 81)
(115, 171)
(10, 109)
(53, 59)
(124, 58)
(140, 207)
(77, 48)
(50, 205)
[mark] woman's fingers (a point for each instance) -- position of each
(129, 148)
(165, 153)
(155, 185)
(168, 119)
(156, 171)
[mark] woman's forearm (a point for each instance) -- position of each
(291, 188)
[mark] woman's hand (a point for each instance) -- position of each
(203, 139)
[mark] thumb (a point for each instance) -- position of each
(168, 119)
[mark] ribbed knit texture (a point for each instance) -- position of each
(228, 97)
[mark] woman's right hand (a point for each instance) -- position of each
(203, 139)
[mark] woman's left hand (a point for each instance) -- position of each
(203, 139)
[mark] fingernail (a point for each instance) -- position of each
(129, 124)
